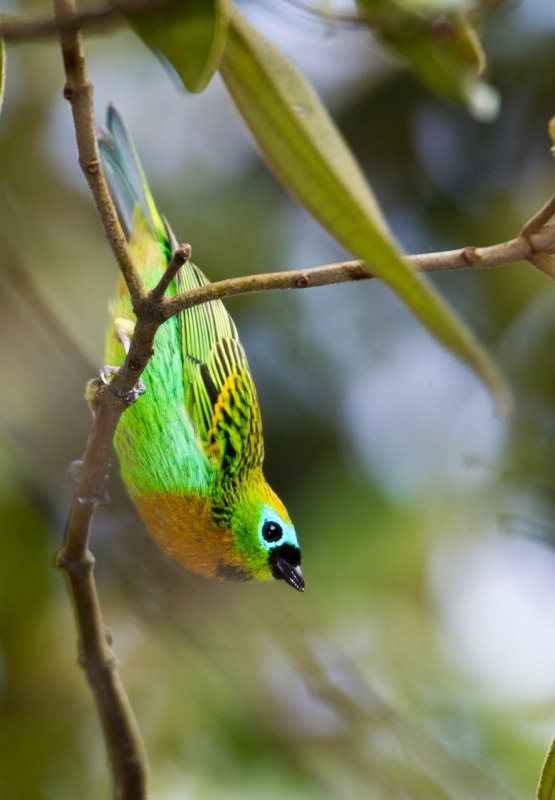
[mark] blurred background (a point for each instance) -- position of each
(420, 661)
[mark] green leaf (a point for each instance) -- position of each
(546, 787)
(2, 71)
(189, 35)
(308, 154)
(440, 45)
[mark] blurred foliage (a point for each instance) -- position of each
(2, 73)
(396, 675)
(440, 42)
(307, 153)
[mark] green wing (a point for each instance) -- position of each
(221, 397)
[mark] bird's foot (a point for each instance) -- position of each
(124, 329)
(104, 378)
(131, 395)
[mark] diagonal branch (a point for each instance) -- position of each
(539, 219)
(179, 257)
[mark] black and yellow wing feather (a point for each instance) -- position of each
(221, 397)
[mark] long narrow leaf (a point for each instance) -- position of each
(307, 153)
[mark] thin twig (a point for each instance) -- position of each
(179, 257)
(519, 249)
(17, 28)
(14, 28)
(539, 219)
(78, 90)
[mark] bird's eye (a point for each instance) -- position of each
(271, 531)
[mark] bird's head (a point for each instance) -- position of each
(264, 536)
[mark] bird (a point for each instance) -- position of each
(191, 447)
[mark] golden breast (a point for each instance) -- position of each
(183, 528)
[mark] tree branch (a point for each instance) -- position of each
(533, 248)
(17, 28)
(125, 750)
(121, 734)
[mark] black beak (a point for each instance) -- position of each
(285, 562)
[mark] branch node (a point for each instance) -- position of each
(93, 166)
(471, 255)
(95, 500)
(527, 235)
(68, 92)
(302, 282)
(77, 568)
(94, 664)
(184, 251)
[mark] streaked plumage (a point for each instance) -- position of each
(191, 447)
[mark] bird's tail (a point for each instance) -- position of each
(126, 179)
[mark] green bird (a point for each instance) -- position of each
(191, 447)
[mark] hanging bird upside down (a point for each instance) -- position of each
(191, 446)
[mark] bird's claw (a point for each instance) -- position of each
(130, 395)
(124, 329)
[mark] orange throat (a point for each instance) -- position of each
(183, 528)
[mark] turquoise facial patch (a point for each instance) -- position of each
(273, 531)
